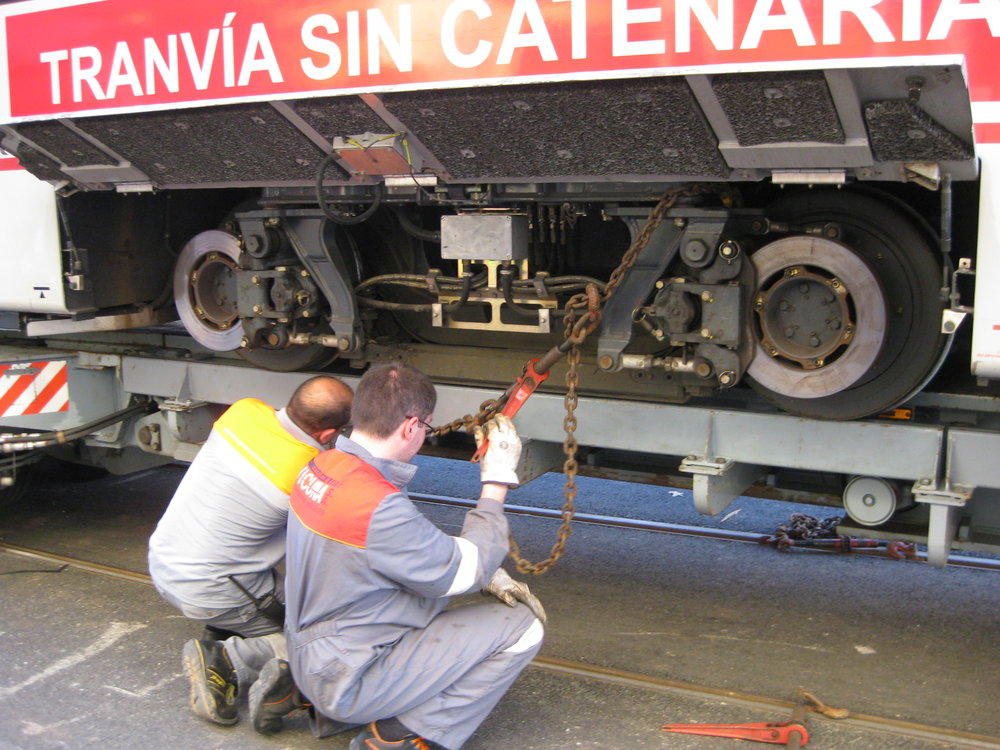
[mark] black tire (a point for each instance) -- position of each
(292, 359)
(902, 254)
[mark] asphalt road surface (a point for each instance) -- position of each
(92, 661)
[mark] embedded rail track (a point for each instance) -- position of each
(863, 722)
(685, 530)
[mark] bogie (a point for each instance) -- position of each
(825, 301)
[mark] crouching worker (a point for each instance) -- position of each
(368, 579)
(214, 552)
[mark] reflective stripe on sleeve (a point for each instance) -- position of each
(465, 576)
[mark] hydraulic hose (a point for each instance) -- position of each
(467, 284)
(466, 291)
(413, 280)
(338, 218)
(396, 306)
(506, 281)
(564, 283)
(10, 443)
(414, 231)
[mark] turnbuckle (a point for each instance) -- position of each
(775, 733)
(518, 393)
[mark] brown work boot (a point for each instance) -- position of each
(273, 696)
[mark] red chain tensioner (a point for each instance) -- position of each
(537, 370)
(518, 393)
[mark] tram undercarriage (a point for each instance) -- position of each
(827, 302)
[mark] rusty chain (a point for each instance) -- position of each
(802, 526)
(583, 316)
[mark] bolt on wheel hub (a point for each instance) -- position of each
(805, 318)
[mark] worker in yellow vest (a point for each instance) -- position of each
(215, 552)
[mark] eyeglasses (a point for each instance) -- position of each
(427, 428)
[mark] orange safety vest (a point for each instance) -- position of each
(336, 494)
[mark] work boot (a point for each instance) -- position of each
(273, 696)
(213, 681)
(369, 739)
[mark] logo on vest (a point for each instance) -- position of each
(311, 487)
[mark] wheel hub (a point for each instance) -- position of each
(205, 290)
(213, 289)
(805, 318)
(820, 317)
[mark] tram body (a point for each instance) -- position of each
(807, 189)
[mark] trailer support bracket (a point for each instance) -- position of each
(718, 481)
(945, 504)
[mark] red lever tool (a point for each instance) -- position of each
(764, 731)
(523, 387)
(537, 370)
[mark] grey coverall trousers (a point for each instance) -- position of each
(440, 682)
(260, 638)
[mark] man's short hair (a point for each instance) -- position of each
(320, 403)
(388, 394)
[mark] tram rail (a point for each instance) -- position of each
(662, 527)
(865, 722)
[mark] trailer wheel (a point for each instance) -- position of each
(847, 317)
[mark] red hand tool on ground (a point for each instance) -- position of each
(764, 731)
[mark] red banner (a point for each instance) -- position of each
(120, 55)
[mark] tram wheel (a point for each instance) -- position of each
(290, 359)
(205, 290)
(847, 317)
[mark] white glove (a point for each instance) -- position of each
(510, 592)
(499, 463)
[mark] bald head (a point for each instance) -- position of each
(321, 403)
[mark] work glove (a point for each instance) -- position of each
(510, 592)
(499, 463)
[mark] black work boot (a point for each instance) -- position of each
(273, 696)
(213, 681)
(369, 739)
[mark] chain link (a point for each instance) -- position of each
(802, 526)
(487, 410)
(583, 316)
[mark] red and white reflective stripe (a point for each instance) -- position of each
(33, 388)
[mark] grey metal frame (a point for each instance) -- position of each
(724, 449)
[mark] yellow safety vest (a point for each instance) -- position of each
(251, 427)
